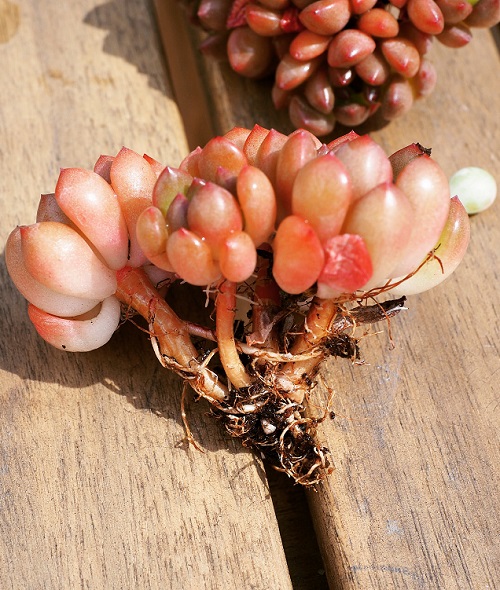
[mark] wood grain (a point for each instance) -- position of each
(98, 488)
(413, 502)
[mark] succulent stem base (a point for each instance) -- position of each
(268, 410)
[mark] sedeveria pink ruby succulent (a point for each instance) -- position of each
(303, 233)
(340, 60)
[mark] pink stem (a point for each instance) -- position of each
(225, 307)
(316, 328)
(136, 291)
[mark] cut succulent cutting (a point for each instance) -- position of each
(304, 234)
(340, 60)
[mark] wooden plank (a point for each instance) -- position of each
(414, 500)
(97, 486)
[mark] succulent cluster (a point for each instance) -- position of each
(304, 232)
(340, 217)
(341, 60)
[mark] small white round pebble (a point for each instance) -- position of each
(476, 188)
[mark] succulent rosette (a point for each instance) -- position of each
(341, 60)
(303, 233)
(66, 263)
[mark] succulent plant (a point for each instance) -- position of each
(340, 60)
(304, 234)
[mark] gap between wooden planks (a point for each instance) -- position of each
(414, 500)
(202, 120)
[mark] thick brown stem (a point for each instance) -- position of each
(136, 291)
(327, 320)
(317, 325)
(294, 376)
(225, 308)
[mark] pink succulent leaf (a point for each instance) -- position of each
(49, 210)
(133, 180)
(236, 17)
(450, 249)
(290, 22)
(34, 291)
(59, 258)
(383, 217)
(426, 186)
(186, 245)
(366, 164)
(89, 201)
(79, 334)
(322, 193)
(347, 264)
(103, 167)
(298, 255)
(238, 257)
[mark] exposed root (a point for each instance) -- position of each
(276, 427)
(225, 307)
(169, 335)
(375, 292)
(189, 435)
(260, 390)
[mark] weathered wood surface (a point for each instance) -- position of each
(97, 488)
(414, 501)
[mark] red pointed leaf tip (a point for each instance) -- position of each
(290, 22)
(348, 265)
(334, 145)
(132, 177)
